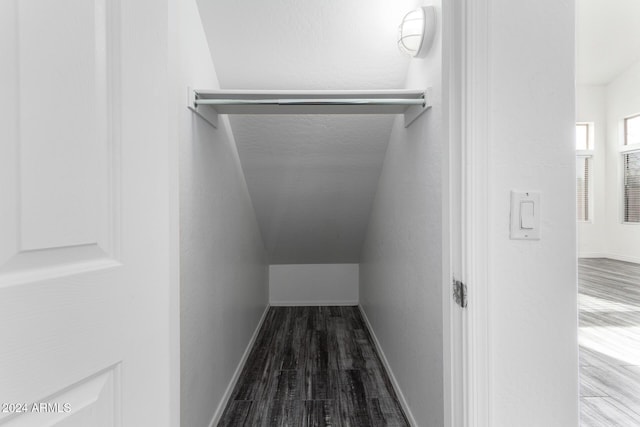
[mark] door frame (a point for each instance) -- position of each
(469, 128)
(476, 194)
(453, 316)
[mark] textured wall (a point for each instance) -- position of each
(532, 284)
(312, 178)
(401, 265)
(224, 275)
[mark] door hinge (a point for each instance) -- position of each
(460, 293)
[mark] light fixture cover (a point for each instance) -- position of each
(417, 31)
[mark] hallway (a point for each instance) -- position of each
(609, 336)
(314, 366)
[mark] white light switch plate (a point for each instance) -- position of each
(525, 223)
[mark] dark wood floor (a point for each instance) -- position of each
(313, 366)
(609, 303)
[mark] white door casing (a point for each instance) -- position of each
(452, 313)
(466, 76)
(473, 35)
(85, 223)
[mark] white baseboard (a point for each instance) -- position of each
(311, 303)
(394, 382)
(592, 255)
(626, 258)
(617, 257)
(236, 375)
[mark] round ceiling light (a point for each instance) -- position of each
(417, 31)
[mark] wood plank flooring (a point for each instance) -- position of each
(609, 337)
(314, 366)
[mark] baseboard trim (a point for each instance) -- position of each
(312, 303)
(616, 257)
(385, 362)
(626, 258)
(236, 375)
(593, 255)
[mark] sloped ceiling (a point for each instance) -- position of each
(312, 179)
(607, 39)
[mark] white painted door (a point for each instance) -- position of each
(85, 246)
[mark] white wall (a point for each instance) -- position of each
(313, 284)
(224, 275)
(590, 107)
(401, 264)
(532, 284)
(607, 106)
(623, 100)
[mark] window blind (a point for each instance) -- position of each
(583, 178)
(631, 165)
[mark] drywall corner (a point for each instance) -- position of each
(401, 266)
(223, 263)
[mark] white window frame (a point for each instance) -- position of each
(590, 136)
(588, 153)
(625, 150)
(624, 129)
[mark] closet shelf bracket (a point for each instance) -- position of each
(208, 114)
(209, 103)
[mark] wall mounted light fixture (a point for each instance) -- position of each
(417, 31)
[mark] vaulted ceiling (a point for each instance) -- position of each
(312, 179)
(607, 39)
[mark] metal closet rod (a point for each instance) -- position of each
(314, 101)
(410, 103)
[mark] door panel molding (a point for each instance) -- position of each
(88, 264)
(94, 401)
(35, 266)
(62, 165)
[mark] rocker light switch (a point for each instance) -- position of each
(525, 215)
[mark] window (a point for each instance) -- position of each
(631, 167)
(582, 136)
(584, 147)
(632, 130)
